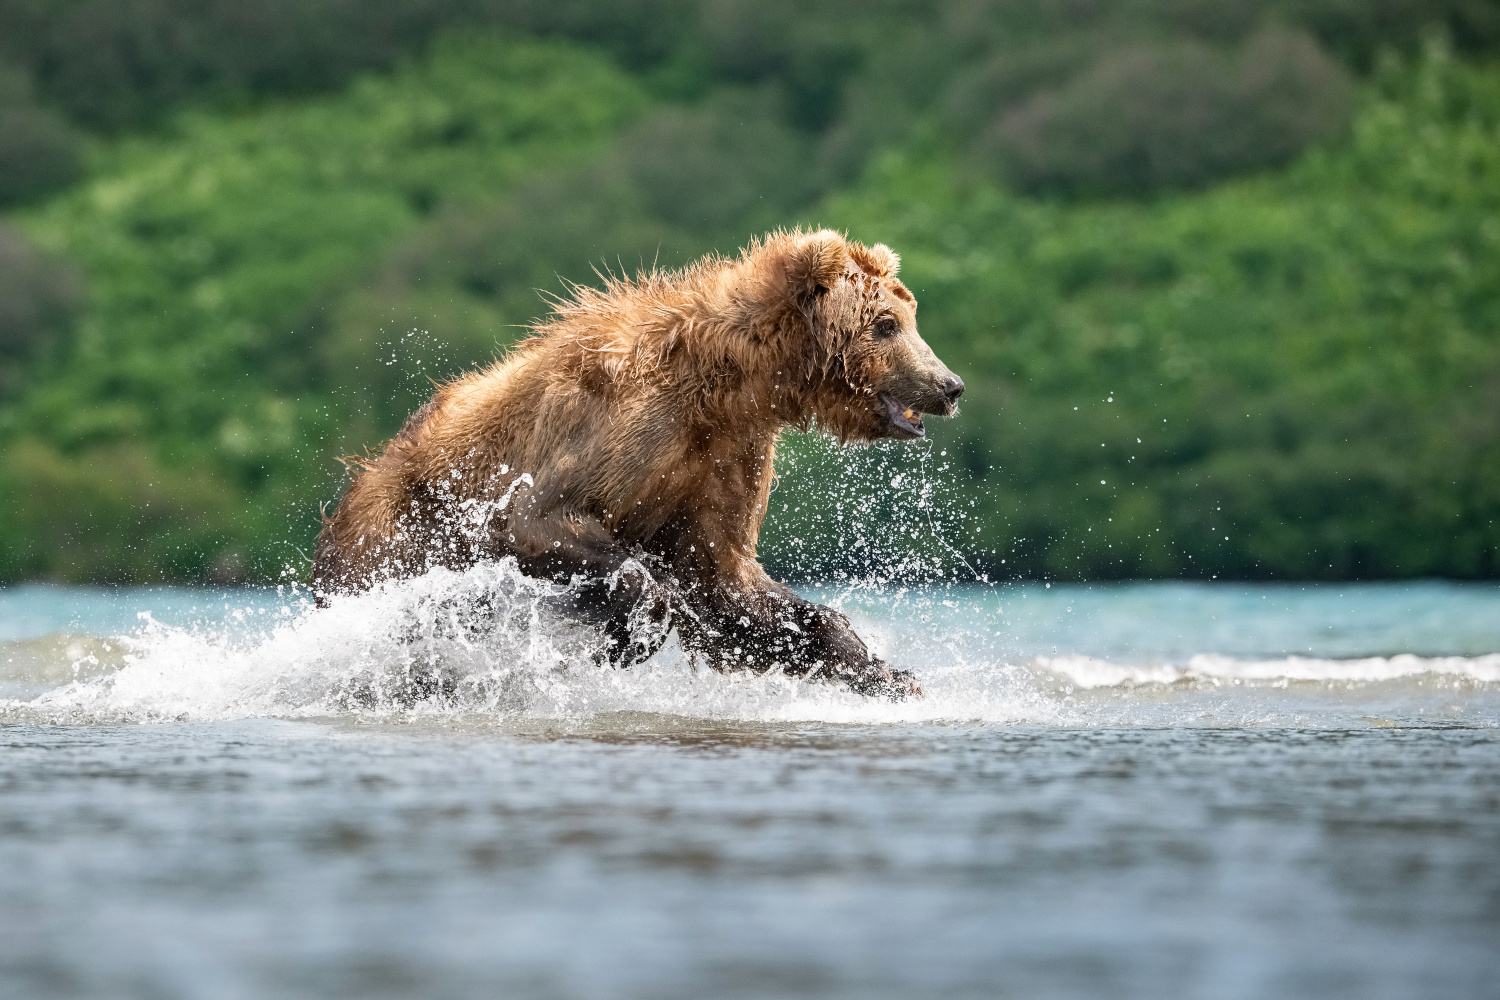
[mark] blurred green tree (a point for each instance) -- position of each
(39, 301)
(1172, 116)
(39, 151)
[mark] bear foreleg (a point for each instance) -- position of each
(608, 588)
(772, 627)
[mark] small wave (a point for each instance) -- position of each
(31, 667)
(484, 645)
(1089, 673)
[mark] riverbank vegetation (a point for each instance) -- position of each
(1223, 285)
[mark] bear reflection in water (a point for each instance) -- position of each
(626, 449)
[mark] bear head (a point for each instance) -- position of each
(872, 375)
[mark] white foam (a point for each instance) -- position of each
(1087, 672)
(482, 644)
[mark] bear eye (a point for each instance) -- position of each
(885, 327)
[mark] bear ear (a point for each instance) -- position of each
(886, 260)
(878, 260)
(817, 261)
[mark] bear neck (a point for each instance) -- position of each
(801, 363)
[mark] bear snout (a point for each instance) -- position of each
(940, 397)
(953, 387)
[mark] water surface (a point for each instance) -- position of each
(1133, 790)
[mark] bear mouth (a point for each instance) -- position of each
(905, 420)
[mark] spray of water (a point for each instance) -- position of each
(484, 647)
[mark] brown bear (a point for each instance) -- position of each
(626, 448)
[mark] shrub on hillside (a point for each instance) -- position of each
(1175, 115)
(720, 170)
(113, 514)
(115, 64)
(39, 296)
(806, 48)
(1007, 78)
(1359, 30)
(121, 64)
(39, 151)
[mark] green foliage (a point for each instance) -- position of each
(214, 254)
(1308, 357)
(121, 64)
(117, 513)
(39, 298)
(114, 64)
(1296, 376)
(1361, 30)
(39, 151)
(1171, 116)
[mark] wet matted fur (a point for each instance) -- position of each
(627, 447)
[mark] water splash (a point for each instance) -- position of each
(484, 647)
(890, 514)
(1215, 670)
(479, 643)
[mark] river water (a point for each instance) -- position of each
(1143, 790)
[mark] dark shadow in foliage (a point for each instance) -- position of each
(112, 514)
(39, 151)
(807, 49)
(888, 101)
(998, 55)
(1357, 30)
(121, 64)
(717, 171)
(1173, 115)
(640, 34)
(117, 64)
(39, 299)
(1360, 30)
(1007, 78)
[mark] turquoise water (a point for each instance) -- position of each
(1138, 790)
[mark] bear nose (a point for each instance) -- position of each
(953, 387)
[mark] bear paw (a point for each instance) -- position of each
(883, 682)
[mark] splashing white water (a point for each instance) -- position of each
(484, 645)
(478, 642)
(1087, 672)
